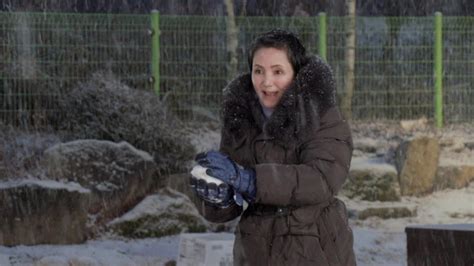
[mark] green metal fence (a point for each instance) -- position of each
(43, 55)
(458, 68)
(393, 69)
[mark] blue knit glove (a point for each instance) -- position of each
(222, 167)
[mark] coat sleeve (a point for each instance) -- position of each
(324, 161)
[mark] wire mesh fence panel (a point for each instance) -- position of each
(43, 55)
(250, 27)
(195, 59)
(393, 66)
(193, 64)
(458, 66)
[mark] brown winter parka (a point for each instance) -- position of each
(301, 156)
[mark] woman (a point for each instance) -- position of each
(286, 150)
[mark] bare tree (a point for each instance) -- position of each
(349, 83)
(232, 39)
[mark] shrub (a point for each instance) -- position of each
(104, 108)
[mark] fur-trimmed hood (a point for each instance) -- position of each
(309, 96)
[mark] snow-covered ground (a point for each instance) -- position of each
(151, 251)
(372, 246)
(377, 241)
(383, 242)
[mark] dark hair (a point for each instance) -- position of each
(280, 39)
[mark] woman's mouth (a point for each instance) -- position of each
(270, 93)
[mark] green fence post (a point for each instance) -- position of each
(438, 60)
(155, 50)
(323, 35)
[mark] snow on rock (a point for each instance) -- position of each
(167, 212)
(371, 178)
(20, 151)
(80, 160)
(49, 184)
(453, 176)
(117, 173)
(374, 164)
(369, 145)
(415, 124)
(36, 212)
(441, 207)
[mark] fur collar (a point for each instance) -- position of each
(310, 95)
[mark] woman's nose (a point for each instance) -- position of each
(267, 81)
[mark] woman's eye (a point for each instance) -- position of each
(257, 71)
(278, 72)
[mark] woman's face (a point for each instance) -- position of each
(272, 73)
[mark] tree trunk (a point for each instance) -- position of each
(232, 39)
(389, 71)
(349, 83)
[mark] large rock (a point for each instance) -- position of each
(373, 180)
(117, 174)
(367, 145)
(453, 176)
(20, 152)
(167, 212)
(416, 124)
(361, 210)
(456, 163)
(39, 212)
(387, 212)
(417, 162)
